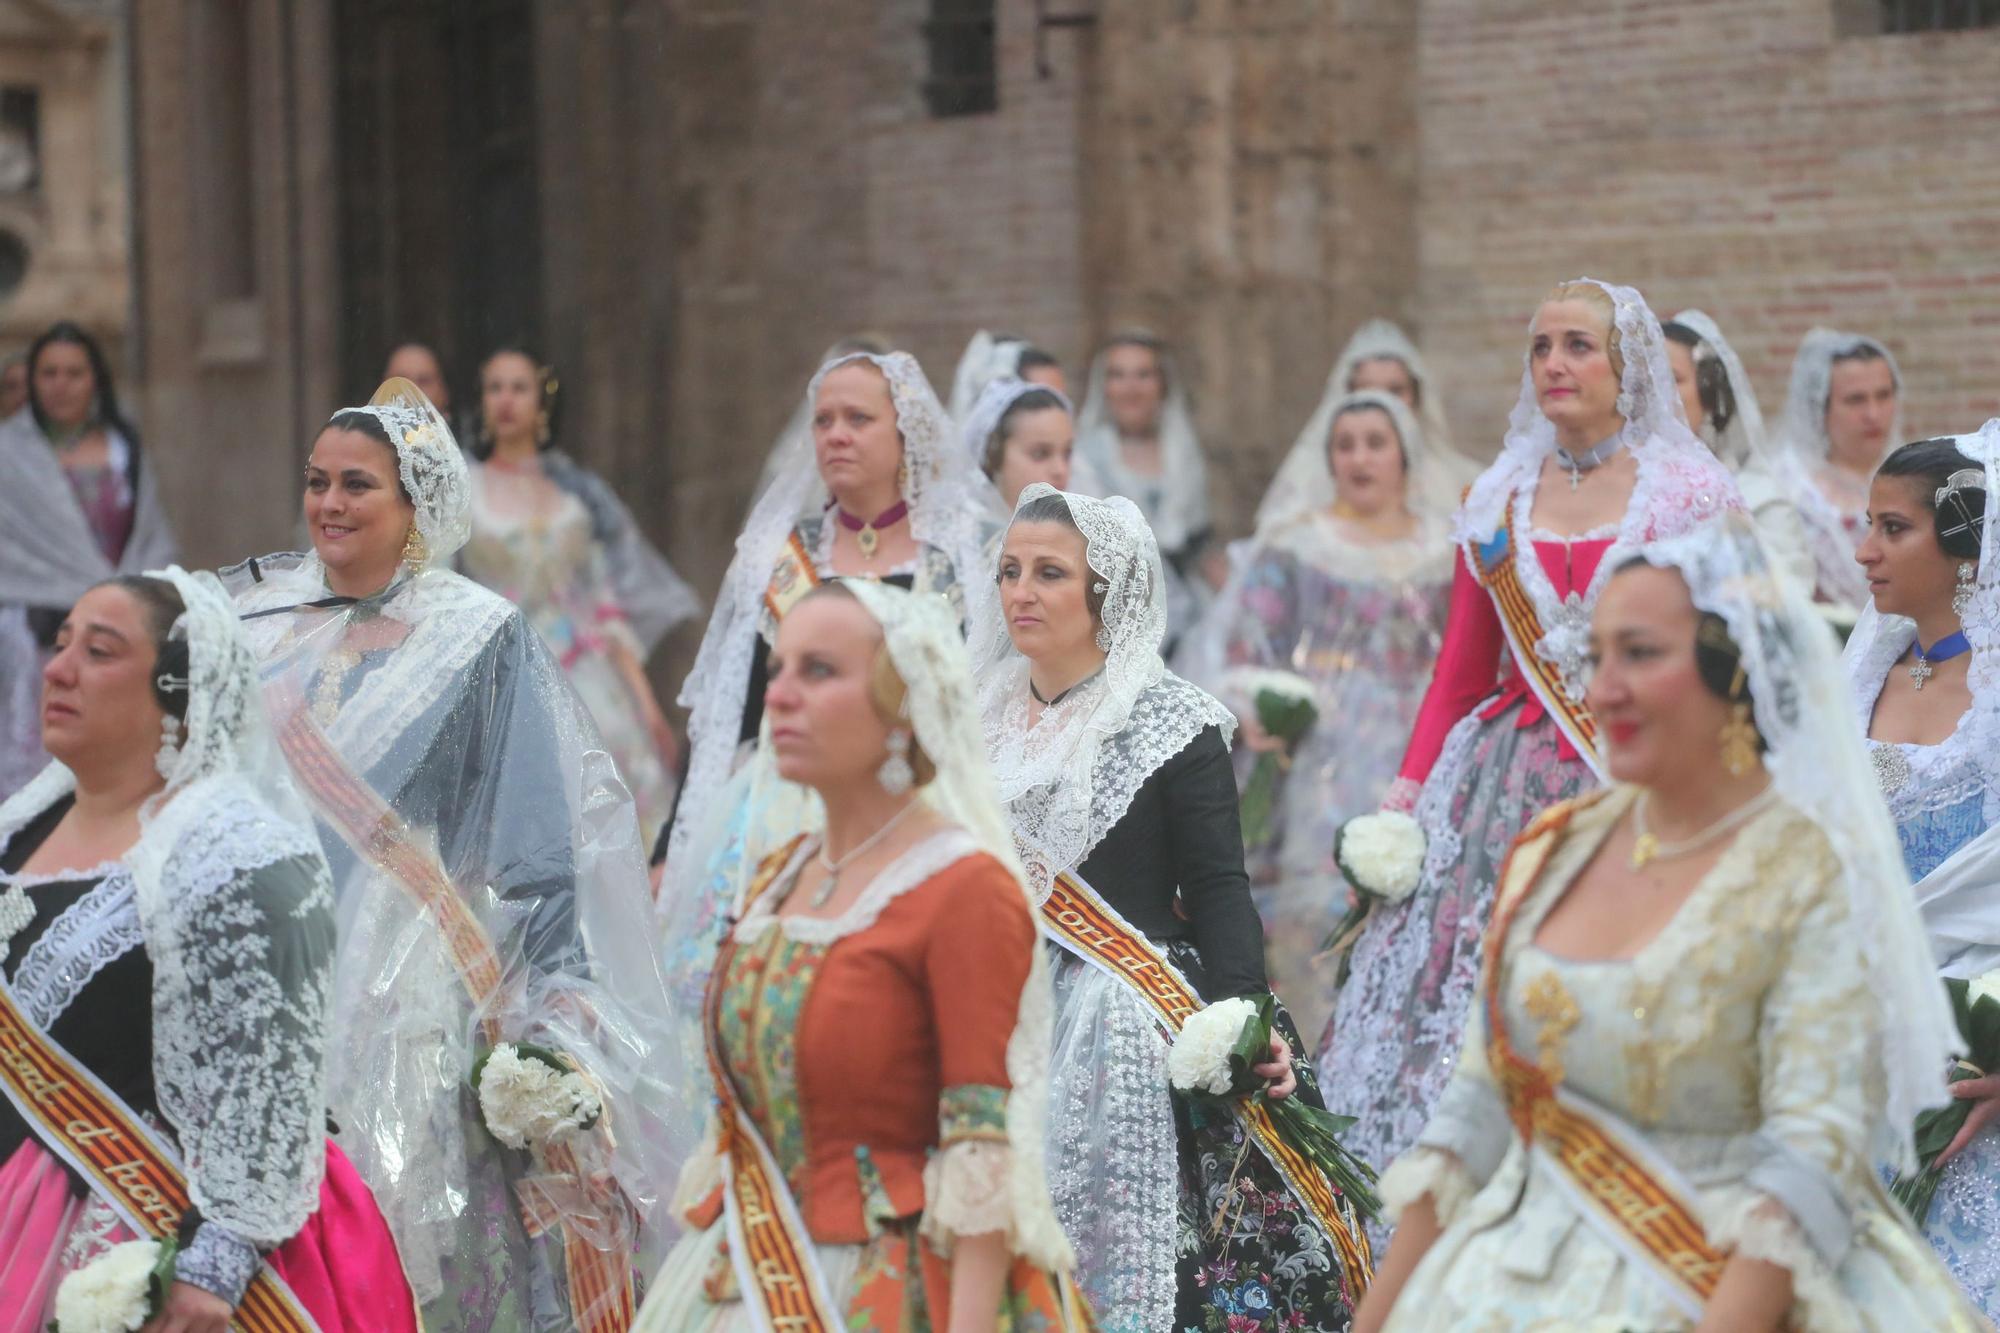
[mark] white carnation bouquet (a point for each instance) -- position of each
(121, 1290)
(1975, 1005)
(1382, 856)
(531, 1096)
(1287, 707)
(1213, 1059)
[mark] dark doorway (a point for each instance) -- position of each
(440, 237)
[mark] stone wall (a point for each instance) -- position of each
(1737, 155)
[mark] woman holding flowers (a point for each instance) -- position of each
(166, 938)
(491, 897)
(877, 1021)
(1597, 461)
(1924, 669)
(1701, 1018)
(1339, 601)
(1115, 772)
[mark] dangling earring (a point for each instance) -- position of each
(542, 427)
(415, 550)
(1739, 733)
(903, 477)
(1103, 635)
(168, 757)
(896, 775)
(1961, 593)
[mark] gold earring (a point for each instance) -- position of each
(1739, 733)
(415, 552)
(903, 477)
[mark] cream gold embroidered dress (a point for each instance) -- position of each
(1740, 1045)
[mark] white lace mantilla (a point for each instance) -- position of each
(919, 863)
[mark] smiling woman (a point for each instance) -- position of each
(362, 523)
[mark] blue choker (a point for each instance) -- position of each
(1950, 646)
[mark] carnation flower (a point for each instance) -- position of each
(1198, 1061)
(1381, 854)
(1984, 988)
(528, 1097)
(113, 1293)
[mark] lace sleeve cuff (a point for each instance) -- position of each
(968, 1191)
(218, 1261)
(1426, 1171)
(1808, 1196)
(1756, 1226)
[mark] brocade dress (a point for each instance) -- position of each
(1736, 1045)
(870, 1051)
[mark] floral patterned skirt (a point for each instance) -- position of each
(895, 1283)
(1401, 1013)
(1178, 1223)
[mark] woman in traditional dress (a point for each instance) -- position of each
(80, 504)
(1597, 461)
(1924, 667)
(1118, 786)
(785, 448)
(490, 886)
(880, 489)
(878, 1020)
(1721, 404)
(1842, 414)
(166, 926)
(1345, 587)
(552, 538)
(1136, 437)
(1380, 356)
(1705, 1011)
(1021, 433)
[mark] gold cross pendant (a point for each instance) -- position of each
(1644, 848)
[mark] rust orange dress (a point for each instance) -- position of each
(870, 1051)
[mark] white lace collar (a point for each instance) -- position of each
(920, 863)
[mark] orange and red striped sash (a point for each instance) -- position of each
(1494, 563)
(793, 577)
(86, 1125)
(1082, 922)
(602, 1292)
(769, 1246)
(1608, 1172)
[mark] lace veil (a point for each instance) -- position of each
(1383, 340)
(979, 424)
(1304, 483)
(432, 708)
(1743, 442)
(1069, 778)
(947, 494)
(1956, 898)
(985, 359)
(241, 952)
(1680, 480)
(1819, 767)
(1182, 513)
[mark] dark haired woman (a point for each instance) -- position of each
(1021, 433)
(551, 537)
(1721, 406)
(1704, 1010)
(1924, 666)
(1341, 595)
(490, 886)
(1115, 773)
(79, 503)
(166, 939)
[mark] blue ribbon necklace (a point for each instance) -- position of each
(1950, 646)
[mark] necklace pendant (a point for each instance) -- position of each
(867, 540)
(1921, 672)
(824, 892)
(1575, 477)
(1644, 848)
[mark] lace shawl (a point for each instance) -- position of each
(48, 556)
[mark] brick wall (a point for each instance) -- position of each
(1731, 154)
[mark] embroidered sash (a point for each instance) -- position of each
(794, 576)
(600, 1281)
(1630, 1195)
(769, 1247)
(1083, 923)
(97, 1135)
(1494, 565)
